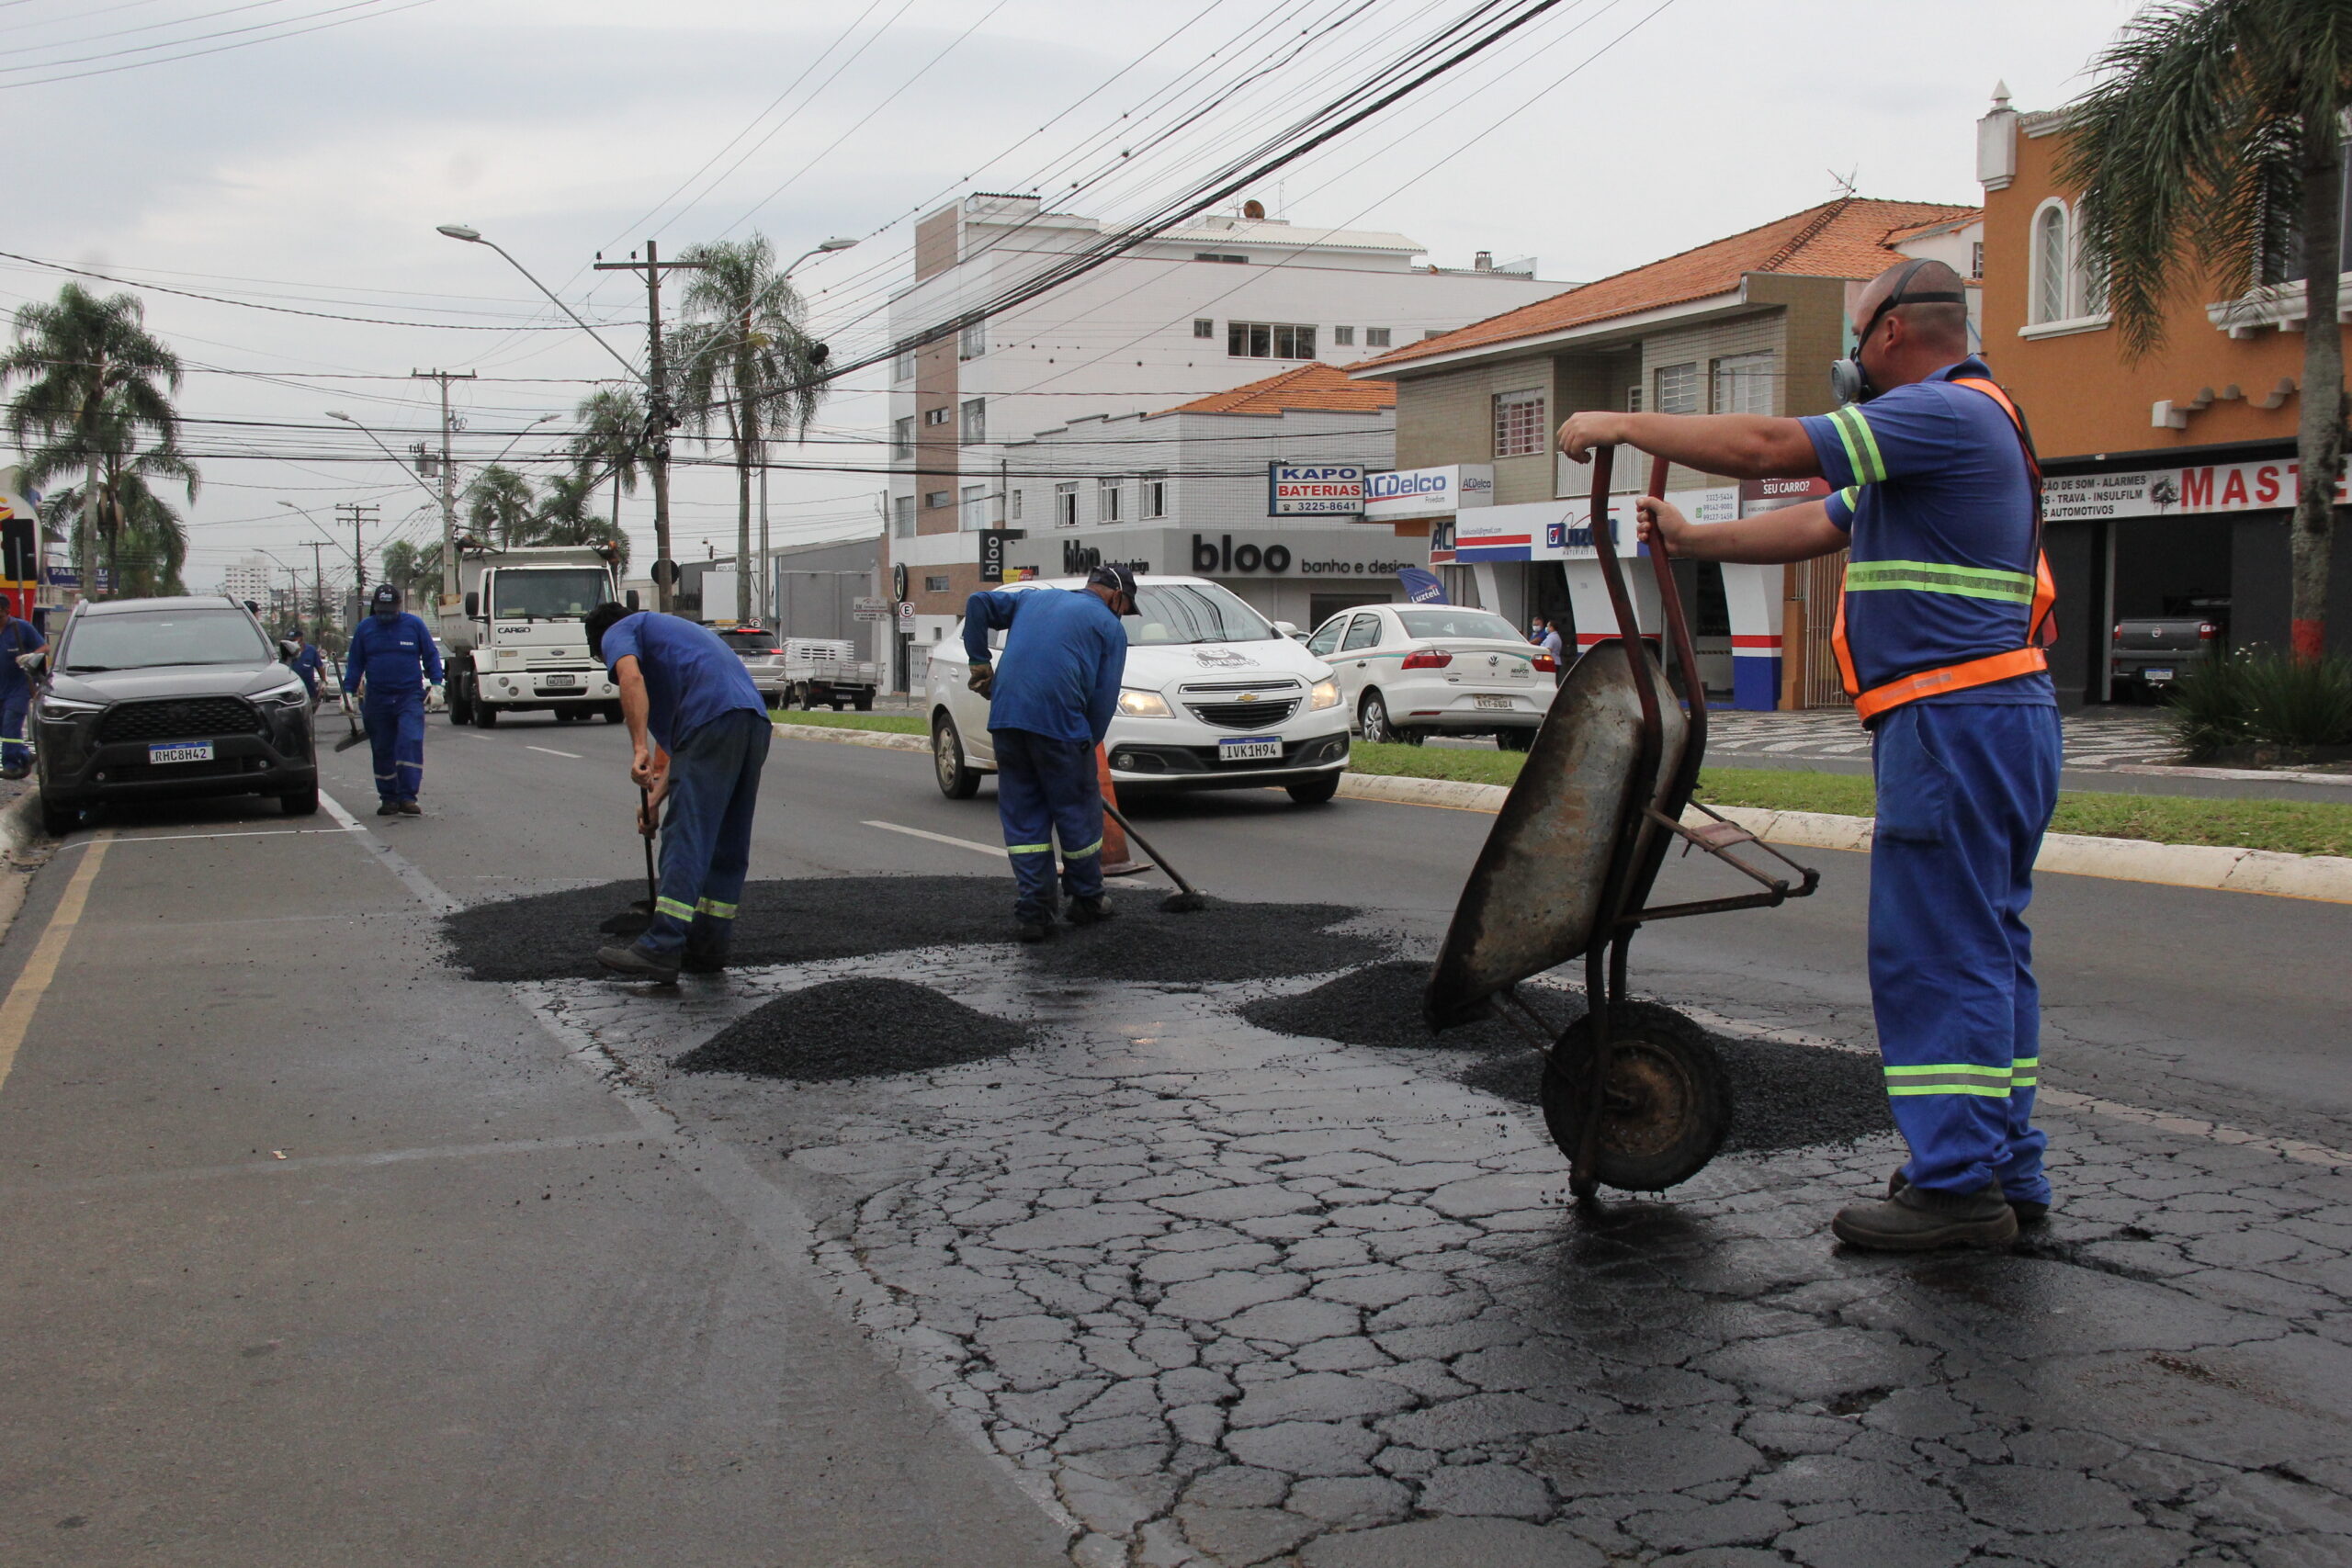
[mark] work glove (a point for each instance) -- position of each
(982, 679)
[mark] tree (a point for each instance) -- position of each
(745, 365)
(612, 440)
(97, 397)
(498, 506)
(414, 569)
(564, 516)
(2211, 150)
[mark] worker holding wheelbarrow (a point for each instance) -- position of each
(1941, 636)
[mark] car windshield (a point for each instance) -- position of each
(747, 639)
(1192, 612)
(1457, 622)
(135, 640)
(545, 594)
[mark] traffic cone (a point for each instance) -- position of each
(1116, 857)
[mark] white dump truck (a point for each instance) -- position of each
(517, 641)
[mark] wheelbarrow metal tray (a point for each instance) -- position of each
(1536, 896)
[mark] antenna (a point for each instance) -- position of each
(1845, 182)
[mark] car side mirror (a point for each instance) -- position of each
(33, 664)
(1289, 629)
(288, 650)
(629, 600)
(473, 606)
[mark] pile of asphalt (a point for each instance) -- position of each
(553, 936)
(853, 1029)
(1381, 1005)
(1783, 1095)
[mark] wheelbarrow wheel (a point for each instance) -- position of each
(1667, 1103)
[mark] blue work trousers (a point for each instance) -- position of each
(1965, 793)
(706, 835)
(1046, 789)
(14, 704)
(395, 723)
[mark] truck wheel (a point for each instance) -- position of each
(613, 712)
(460, 705)
(865, 702)
(807, 697)
(956, 782)
(485, 716)
(838, 703)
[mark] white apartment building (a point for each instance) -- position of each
(1221, 302)
(248, 579)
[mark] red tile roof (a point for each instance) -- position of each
(1314, 385)
(1846, 238)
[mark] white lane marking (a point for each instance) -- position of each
(473, 735)
(996, 850)
(255, 833)
(553, 752)
(415, 880)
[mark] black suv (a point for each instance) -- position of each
(145, 699)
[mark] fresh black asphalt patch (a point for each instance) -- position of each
(554, 936)
(1381, 1005)
(853, 1029)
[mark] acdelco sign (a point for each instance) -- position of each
(1428, 492)
(1314, 489)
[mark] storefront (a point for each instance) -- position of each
(1296, 572)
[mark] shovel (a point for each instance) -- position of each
(639, 913)
(1182, 902)
(357, 734)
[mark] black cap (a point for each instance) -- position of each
(1117, 577)
(386, 597)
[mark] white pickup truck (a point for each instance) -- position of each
(812, 672)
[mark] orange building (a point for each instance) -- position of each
(2171, 480)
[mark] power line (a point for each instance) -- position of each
(218, 49)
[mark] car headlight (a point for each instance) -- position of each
(1136, 702)
(293, 693)
(1325, 695)
(66, 707)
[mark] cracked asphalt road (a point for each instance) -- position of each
(1199, 1292)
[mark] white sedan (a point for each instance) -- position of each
(1408, 672)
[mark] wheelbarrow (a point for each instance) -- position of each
(1633, 1093)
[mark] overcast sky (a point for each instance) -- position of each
(306, 170)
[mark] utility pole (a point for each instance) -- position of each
(317, 587)
(448, 493)
(351, 512)
(660, 416)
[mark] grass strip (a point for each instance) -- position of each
(896, 723)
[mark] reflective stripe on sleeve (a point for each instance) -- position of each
(1861, 446)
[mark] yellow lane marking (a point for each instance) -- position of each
(24, 997)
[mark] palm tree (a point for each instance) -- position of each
(498, 506)
(745, 365)
(97, 397)
(612, 440)
(2211, 150)
(563, 516)
(414, 569)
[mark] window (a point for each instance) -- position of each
(1168, 613)
(1012, 505)
(973, 341)
(1155, 495)
(902, 517)
(975, 426)
(975, 508)
(1976, 262)
(935, 416)
(2053, 257)
(1678, 389)
(1744, 383)
(1375, 337)
(902, 365)
(1362, 632)
(902, 437)
(934, 585)
(1066, 506)
(1214, 256)
(1268, 340)
(1106, 501)
(1519, 424)
(933, 499)
(1634, 399)
(1326, 642)
(1343, 337)
(1203, 327)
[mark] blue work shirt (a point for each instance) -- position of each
(310, 664)
(691, 677)
(394, 654)
(1064, 653)
(1932, 476)
(21, 637)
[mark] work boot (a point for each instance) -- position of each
(636, 963)
(387, 808)
(410, 809)
(2028, 1211)
(14, 770)
(1087, 911)
(1919, 1219)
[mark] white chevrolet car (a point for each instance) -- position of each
(1215, 697)
(1408, 672)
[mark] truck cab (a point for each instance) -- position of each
(517, 640)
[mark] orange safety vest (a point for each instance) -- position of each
(2042, 628)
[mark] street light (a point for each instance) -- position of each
(474, 237)
(413, 475)
(823, 247)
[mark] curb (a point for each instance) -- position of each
(2236, 775)
(17, 830)
(2216, 868)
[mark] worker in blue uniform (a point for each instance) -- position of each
(19, 637)
(390, 661)
(308, 662)
(698, 730)
(1050, 701)
(1941, 636)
